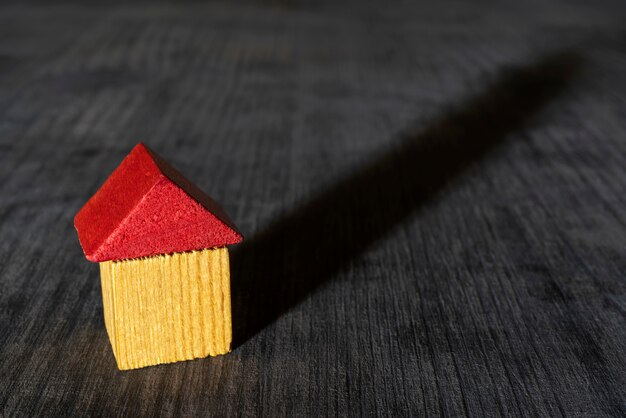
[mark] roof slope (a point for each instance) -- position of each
(147, 207)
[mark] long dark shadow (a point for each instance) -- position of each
(279, 267)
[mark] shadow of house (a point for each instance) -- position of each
(279, 267)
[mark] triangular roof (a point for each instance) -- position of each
(147, 207)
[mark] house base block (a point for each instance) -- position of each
(167, 308)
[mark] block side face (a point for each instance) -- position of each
(194, 191)
(118, 196)
(171, 307)
(165, 221)
(108, 304)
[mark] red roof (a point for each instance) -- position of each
(147, 207)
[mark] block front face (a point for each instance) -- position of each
(167, 308)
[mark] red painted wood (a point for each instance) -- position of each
(147, 207)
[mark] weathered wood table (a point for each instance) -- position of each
(433, 199)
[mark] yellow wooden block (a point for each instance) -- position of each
(167, 308)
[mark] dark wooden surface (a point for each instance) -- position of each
(433, 198)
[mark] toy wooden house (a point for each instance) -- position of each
(161, 244)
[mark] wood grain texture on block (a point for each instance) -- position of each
(167, 308)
